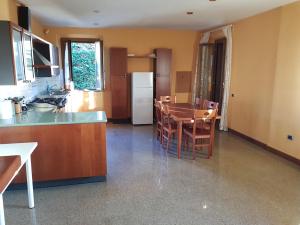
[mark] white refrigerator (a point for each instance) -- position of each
(142, 98)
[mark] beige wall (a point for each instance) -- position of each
(285, 117)
(8, 11)
(266, 78)
(253, 70)
(138, 41)
(4, 10)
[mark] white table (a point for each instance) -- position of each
(24, 150)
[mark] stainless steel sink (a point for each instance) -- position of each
(55, 94)
(48, 103)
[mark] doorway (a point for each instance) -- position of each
(218, 72)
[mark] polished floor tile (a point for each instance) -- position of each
(240, 185)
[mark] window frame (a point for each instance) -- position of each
(68, 41)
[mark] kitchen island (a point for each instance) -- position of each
(71, 146)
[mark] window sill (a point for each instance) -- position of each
(90, 90)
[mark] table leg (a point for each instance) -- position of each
(179, 133)
(2, 219)
(29, 184)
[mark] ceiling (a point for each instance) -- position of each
(147, 13)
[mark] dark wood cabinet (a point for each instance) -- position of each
(162, 72)
(119, 83)
(120, 80)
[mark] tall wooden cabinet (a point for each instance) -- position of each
(119, 83)
(162, 72)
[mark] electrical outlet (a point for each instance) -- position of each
(290, 137)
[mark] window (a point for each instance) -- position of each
(83, 63)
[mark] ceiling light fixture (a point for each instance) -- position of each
(96, 11)
(189, 13)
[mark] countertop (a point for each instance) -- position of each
(34, 118)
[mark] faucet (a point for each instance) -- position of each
(50, 88)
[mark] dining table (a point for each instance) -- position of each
(182, 113)
(12, 159)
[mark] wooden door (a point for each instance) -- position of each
(119, 83)
(162, 69)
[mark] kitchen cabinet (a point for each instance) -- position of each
(119, 83)
(28, 56)
(162, 72)
(18, 54)
(16, 61)
(46, 58)
(19, 61)
(71, 146)
(11, 54)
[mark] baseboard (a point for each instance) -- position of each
(119, 121)
(250, 139)
(57, 183)
(266, 147)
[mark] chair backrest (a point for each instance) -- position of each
(165, 114)
(198, 102)
(158, 112)
(165, 109)
(210, 105)
(168, 99)
(205, 118)
(204, 114)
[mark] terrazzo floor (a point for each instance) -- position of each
(240, 185)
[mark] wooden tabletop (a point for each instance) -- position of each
(183, 105)
(9, 165)
(183, 111)
(182, 116)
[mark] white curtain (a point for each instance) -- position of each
(227, 77)
(204, 39)
(227, 30)
(66, 65)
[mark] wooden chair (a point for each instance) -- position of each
(210, 105)
(168, 99)
(158, 114)
(198, 102)
(199, 132)
(169, 126)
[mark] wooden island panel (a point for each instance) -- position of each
(64, 151)
(9, 165)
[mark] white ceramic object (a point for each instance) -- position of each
(7, 109)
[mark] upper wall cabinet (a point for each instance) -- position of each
(46, 61)
(18, 63)
(12, 57)
(28, 56)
